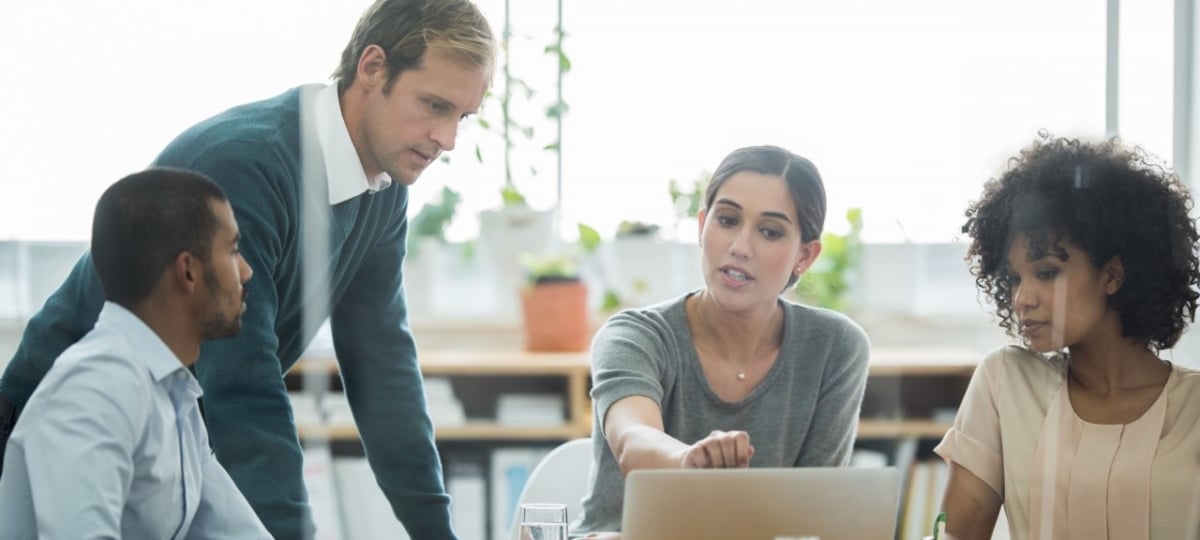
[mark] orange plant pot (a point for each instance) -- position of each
(556, 316)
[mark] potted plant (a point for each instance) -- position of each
(554, 300)
(554, 304)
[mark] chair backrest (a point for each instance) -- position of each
(561, 477)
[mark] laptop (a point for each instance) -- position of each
(761, 504)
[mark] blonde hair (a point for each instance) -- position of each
(406, 29)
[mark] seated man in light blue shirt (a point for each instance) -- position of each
(112, 444)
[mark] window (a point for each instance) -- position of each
(905, 107)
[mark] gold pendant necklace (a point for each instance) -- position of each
(741, 366)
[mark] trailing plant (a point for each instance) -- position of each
(828, 282)
(433, 218)
(512, 130)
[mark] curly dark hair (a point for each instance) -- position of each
(1109, 200)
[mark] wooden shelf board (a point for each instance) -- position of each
(884, 361)
(924, 361)
(484, 431)
(477, 362)
(888, 429)
(476, 431)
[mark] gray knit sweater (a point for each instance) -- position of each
(803, 414)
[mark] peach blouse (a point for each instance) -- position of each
(1063, 478)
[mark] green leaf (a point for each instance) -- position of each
(511, 196)
(589, 239)
(549, 266)
(611, 302)
(557, 110)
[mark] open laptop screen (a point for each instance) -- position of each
(760, 504)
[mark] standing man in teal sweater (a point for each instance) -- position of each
(310, 176)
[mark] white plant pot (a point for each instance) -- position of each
(504, 235)
(645, 270)
(421, 276)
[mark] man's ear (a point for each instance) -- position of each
(809, 251)
(187, 271)
(372, 67)
(1113, 274)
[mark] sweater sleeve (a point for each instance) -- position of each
(382, 379)
(66, 317)
(830, 439)
(628, 359)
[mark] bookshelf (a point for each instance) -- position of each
(572, 369)
(907, 407)
(904, 389)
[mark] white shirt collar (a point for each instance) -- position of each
(343, 169)
(149, 349)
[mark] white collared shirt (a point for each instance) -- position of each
(112, 445)
(343, 168)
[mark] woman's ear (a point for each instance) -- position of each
(809, 251)
(1113, 274)
(700, 225)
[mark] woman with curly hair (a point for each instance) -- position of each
(1088, 254)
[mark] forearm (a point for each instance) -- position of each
(646, 447)
(971, 505)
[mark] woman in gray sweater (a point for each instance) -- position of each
(731, 375)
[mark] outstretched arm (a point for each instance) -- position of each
(634, 431)
(383, 383)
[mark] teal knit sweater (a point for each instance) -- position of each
(253, 151)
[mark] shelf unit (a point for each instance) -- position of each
(906, 389)
(892, 372)
(573, 367)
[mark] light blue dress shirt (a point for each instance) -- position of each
(112, 445)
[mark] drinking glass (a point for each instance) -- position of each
(541, 521)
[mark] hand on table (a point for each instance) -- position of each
(720, 450)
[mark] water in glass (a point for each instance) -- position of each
(543, 531)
